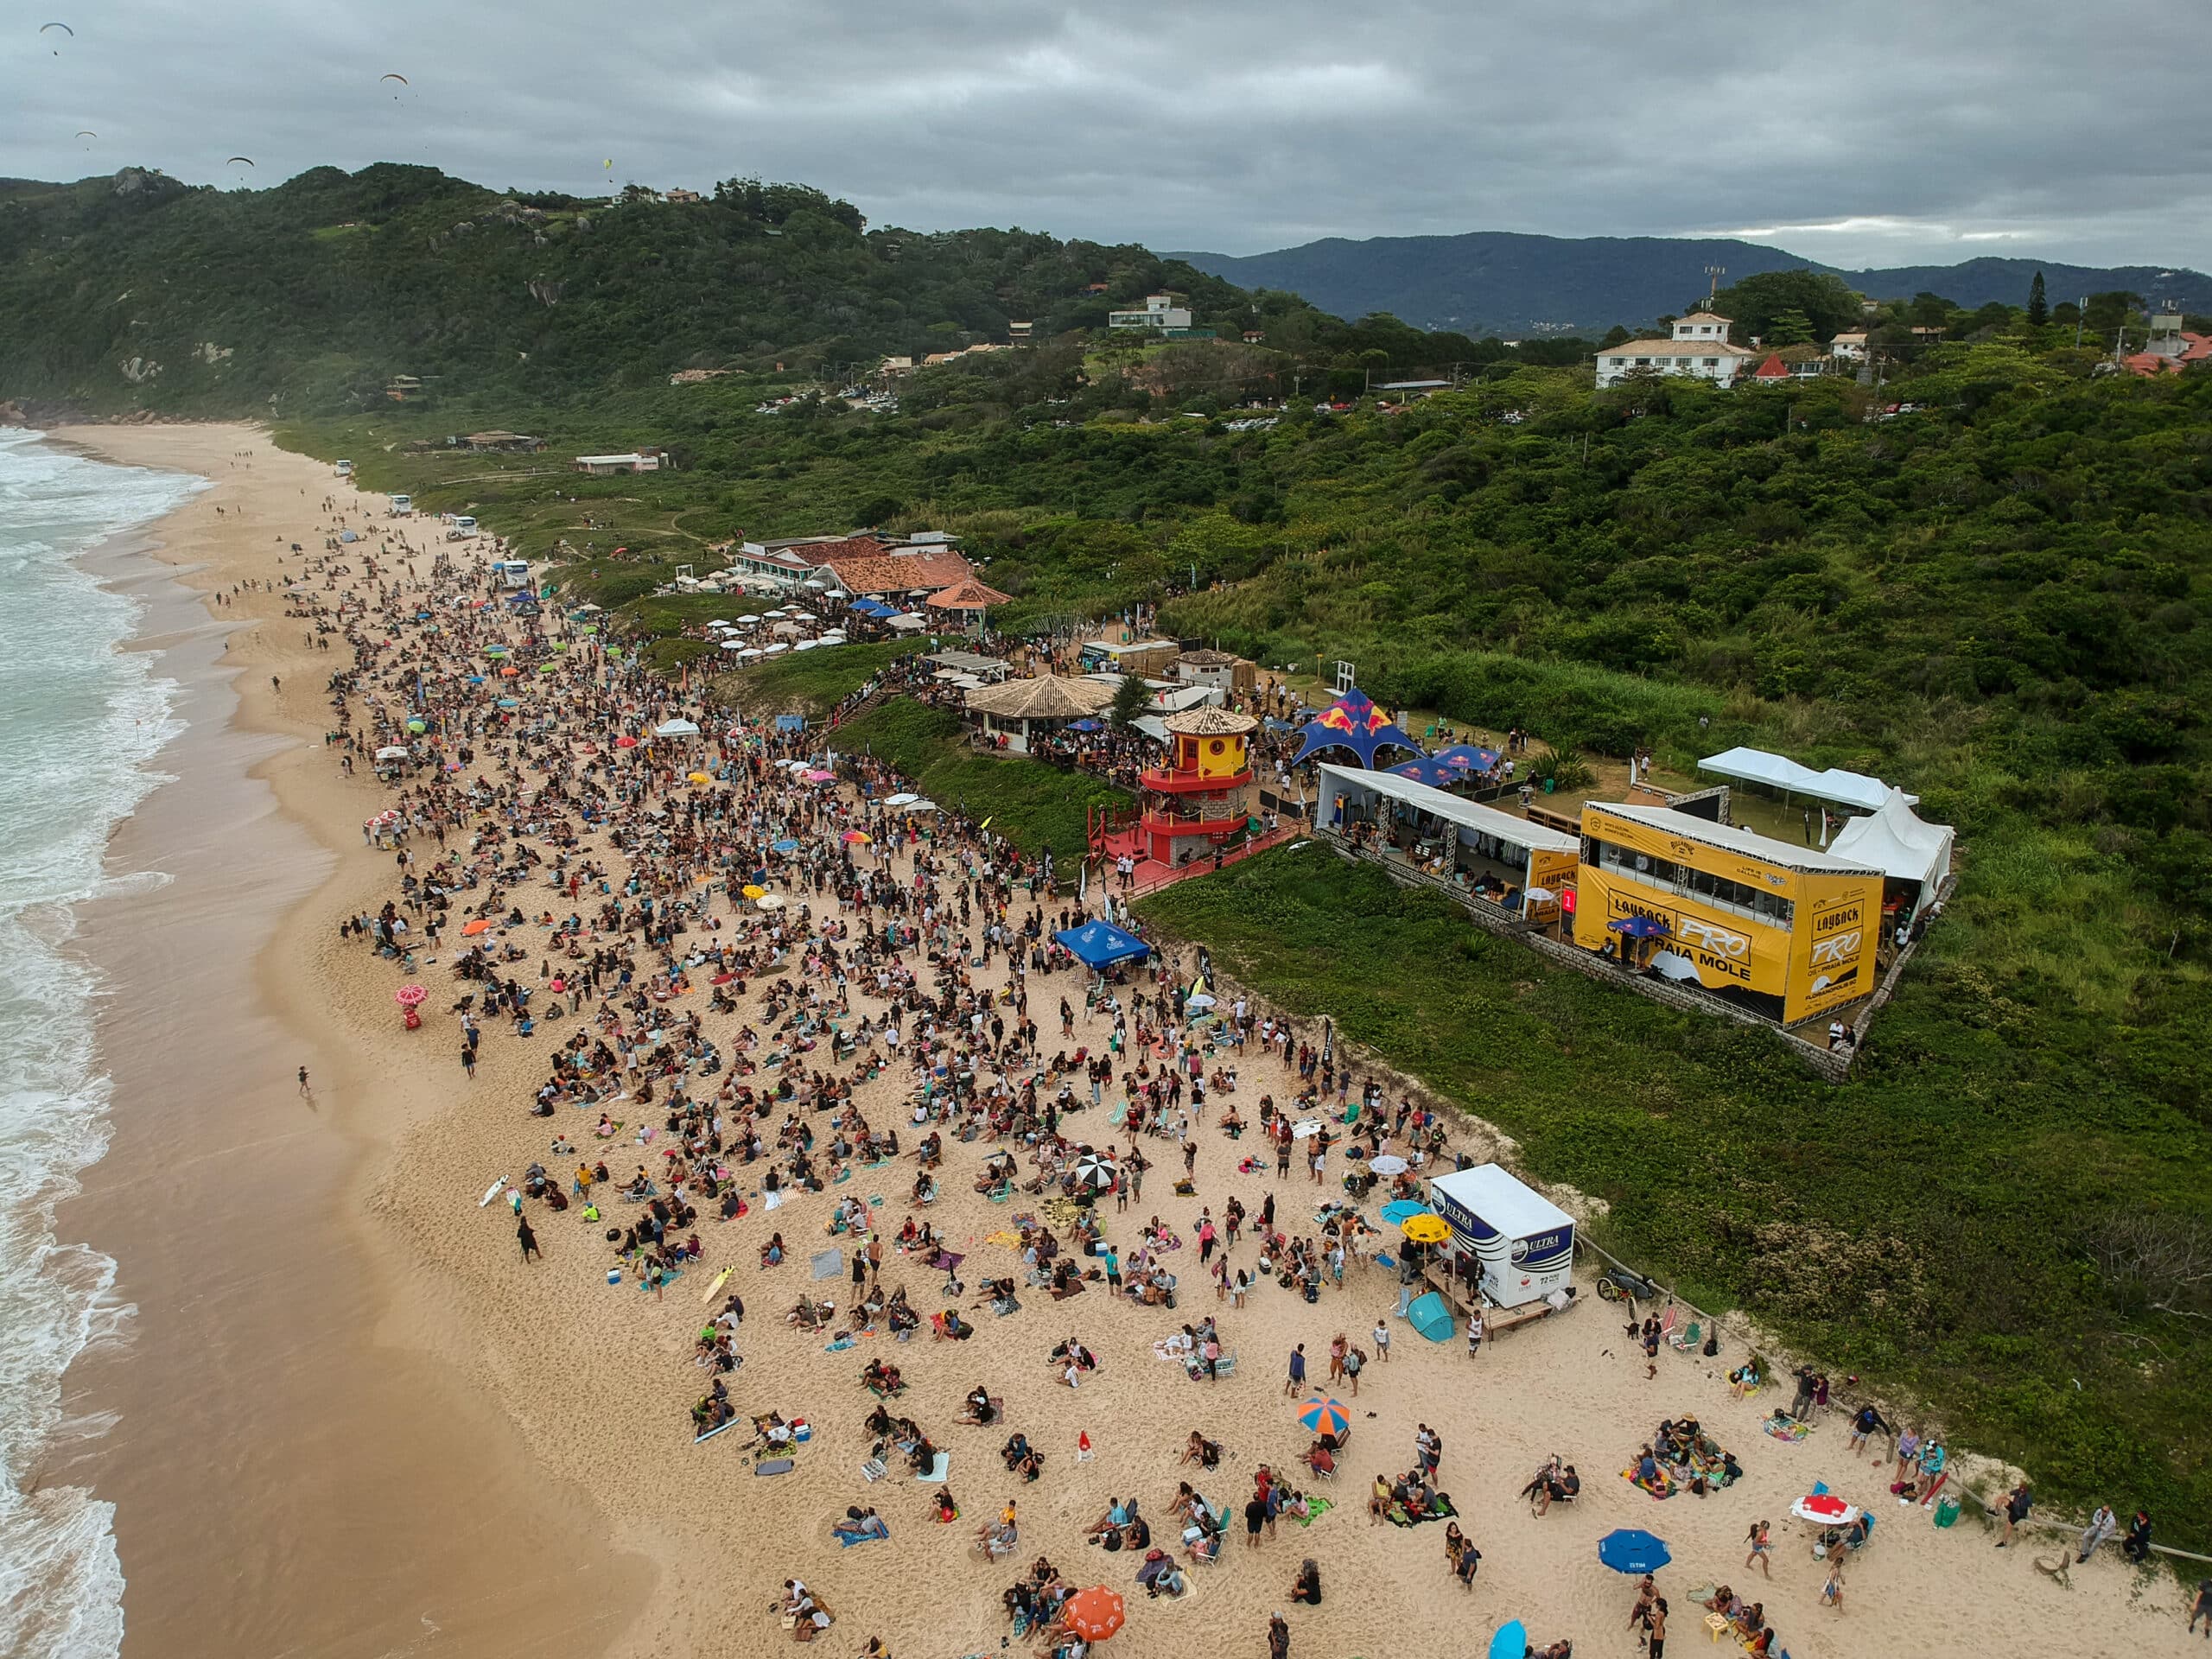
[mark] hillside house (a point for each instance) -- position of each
(636, 461)
(1160, 314)
(1851, 348)
(1699, 347)
(502, 443)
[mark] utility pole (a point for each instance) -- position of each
(1713, 276)
(2081, 314)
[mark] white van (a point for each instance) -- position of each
(464, 526)
(345, 469)
(512, 572)
(402, 505)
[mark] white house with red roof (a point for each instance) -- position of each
(1699, 347)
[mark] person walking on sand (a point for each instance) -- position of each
(1278, 1637)
(527, 1239)
(306, 1093)
(1761, 1545)
(1296, 1383)
(1656, 1646)
(1381, 1334)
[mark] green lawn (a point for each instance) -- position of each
(809, 682)
(1035, 805)
(1929, 1225)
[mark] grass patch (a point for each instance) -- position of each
(809, 682)
(1941, 1224)
(1035, 805)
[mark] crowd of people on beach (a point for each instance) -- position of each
(750, 973)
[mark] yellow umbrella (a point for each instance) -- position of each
(701, 778)
(752, 892)
(1426, 1230)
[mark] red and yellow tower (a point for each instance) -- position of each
(1195, 800)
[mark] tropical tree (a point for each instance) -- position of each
(1131, 698)
(2039, 305)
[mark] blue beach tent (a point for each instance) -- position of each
(1101, 945)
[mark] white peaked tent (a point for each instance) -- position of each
(1777, 771)
(1898, 842)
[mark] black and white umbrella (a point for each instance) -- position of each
(1094, 1172)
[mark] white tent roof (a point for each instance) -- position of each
(676, 728)
(1493, 1193)
(1728, 837)
(1151, 725)
(1778, 772)
(1468, 814)
(1898, 843)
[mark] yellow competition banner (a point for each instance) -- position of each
(1832, 962)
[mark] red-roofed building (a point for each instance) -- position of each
(2169, 349)
(866, 569)
(1773, 372)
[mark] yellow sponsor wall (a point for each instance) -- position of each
(1809, 948)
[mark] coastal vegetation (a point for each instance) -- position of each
(1984, 579)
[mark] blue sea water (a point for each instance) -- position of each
(79, 720)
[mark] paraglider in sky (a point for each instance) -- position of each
(609, 163)
(247, 160)
(87, 133)
(64, 28)
(402, 79)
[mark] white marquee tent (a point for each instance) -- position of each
(1897, 840)
(1777, 771)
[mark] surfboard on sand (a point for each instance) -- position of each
(717, 1429)
(719, 1278)
(490, 1193)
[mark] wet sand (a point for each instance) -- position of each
(298, 1463)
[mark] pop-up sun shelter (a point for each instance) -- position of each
(1101, 945)
(1522, 1242)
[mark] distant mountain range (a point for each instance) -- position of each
(1498, 281)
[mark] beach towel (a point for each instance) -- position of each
(936, 1472)
(846, 1540)
(1787, 1429)
(1315, 1509)
(773, 1466)
(838, 1346)
(668, 1276)
(1662, 1487)
(825, 1264)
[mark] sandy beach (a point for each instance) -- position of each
(348, 1420)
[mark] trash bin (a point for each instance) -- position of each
(1548, 785)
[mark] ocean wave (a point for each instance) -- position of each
(79, 720)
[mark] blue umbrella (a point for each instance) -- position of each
(1435, 773)
(1641, 927)
(1400, 1210)
(1633, 1551)
(1464, 758)
(786, 846)
(1085, 726)
(1511, 1641)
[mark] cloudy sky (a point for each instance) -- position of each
(1884, 132)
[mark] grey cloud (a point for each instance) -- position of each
(1909, 131)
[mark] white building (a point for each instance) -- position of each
(1699, 347)
(1160, 312)
(1850, 348)
(640, 460)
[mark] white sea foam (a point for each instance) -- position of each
(79, 721)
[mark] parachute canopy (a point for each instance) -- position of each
(64, 28)
(402, 79)
(247, 160)
(87, 133)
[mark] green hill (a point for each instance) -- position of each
(137, 291)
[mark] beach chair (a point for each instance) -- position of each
(1205, 1549)
(1687, 1339)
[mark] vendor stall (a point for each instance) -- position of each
(1515, 1242)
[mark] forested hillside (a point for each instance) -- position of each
(137, 291)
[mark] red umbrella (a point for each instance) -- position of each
(1094, 1614)
(625, 742)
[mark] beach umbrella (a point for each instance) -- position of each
(1094, 1614)
(856, 838)
(510, 673)
(418, 726)
(409, 996)
(1511, 1641)
(1388, 1163)
(769, 901)
(922, 806)
(1400, 1210)
(392, 752)
(901, 799)
(699, 778)
(625, 742)
(471, 929)
(786, 845)
(545, 668)
(1198, 999)
(1633, 1551)
(752, 892)
(1640, 927)
(1324, 1416)
(509, 702)
(1426, 1230)
(818, 775)
(1094, 1172)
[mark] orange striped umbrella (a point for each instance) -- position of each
(1094, 1614)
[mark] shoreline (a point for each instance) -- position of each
(252, 1255)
